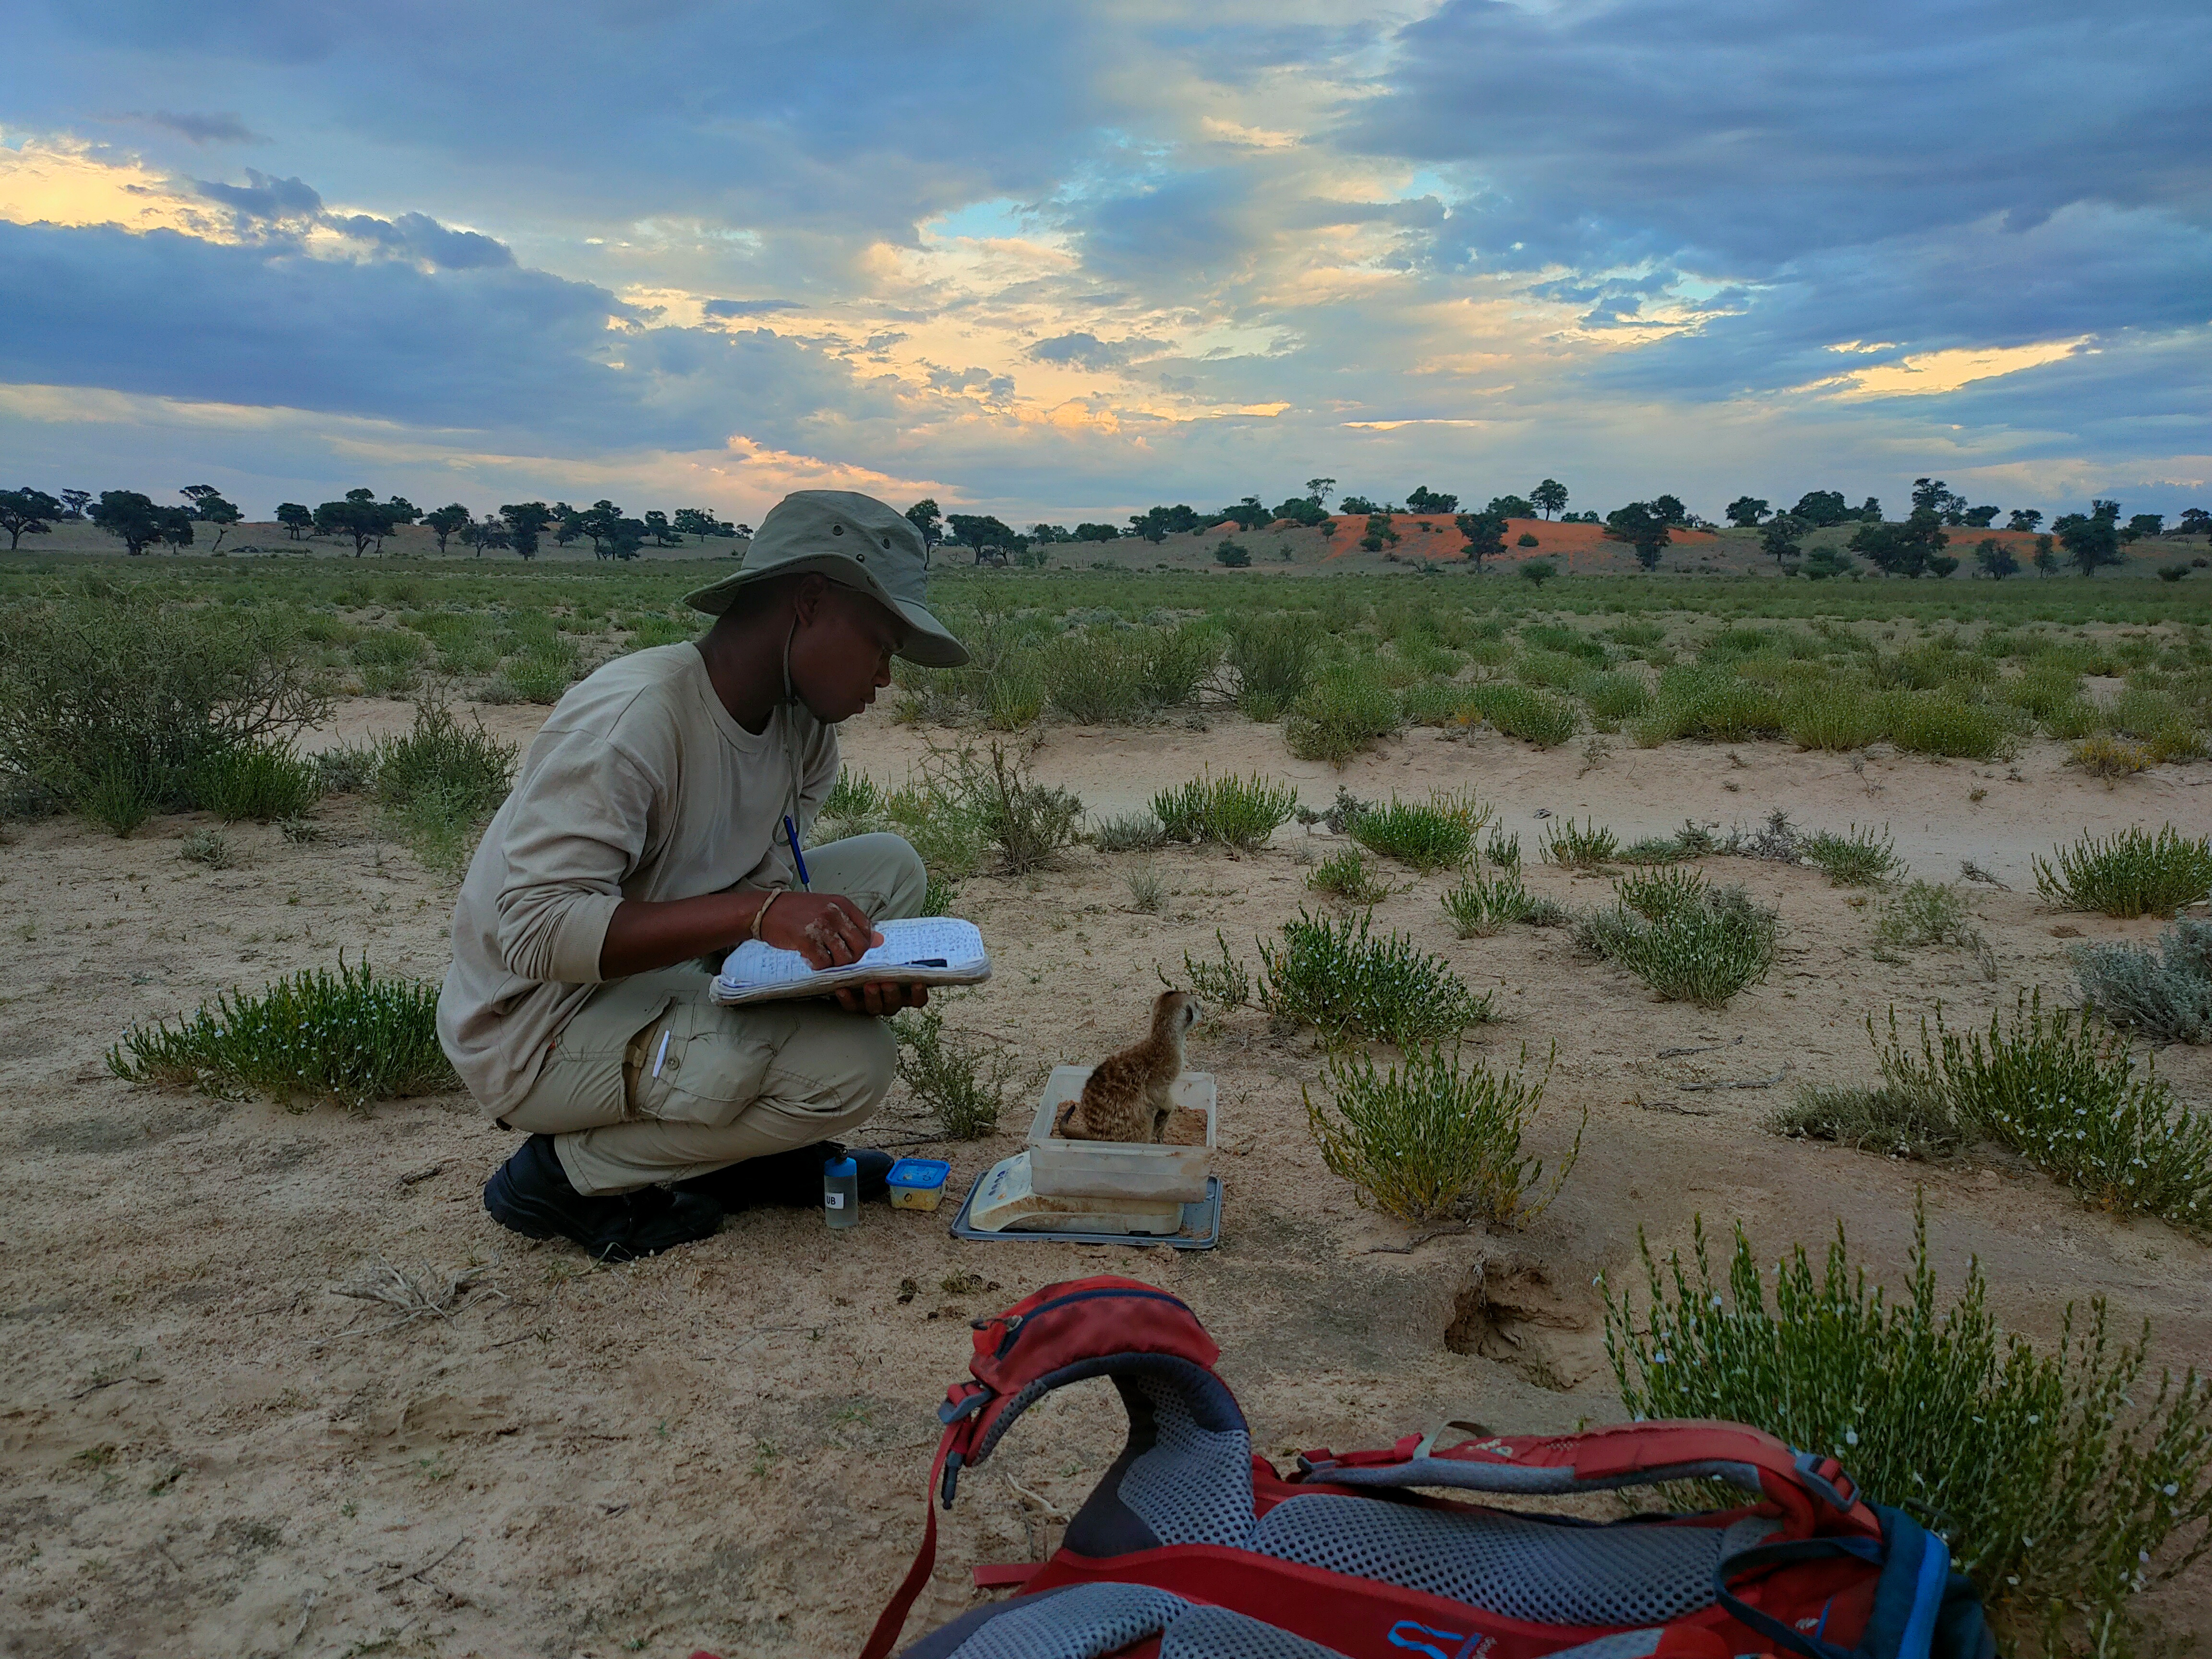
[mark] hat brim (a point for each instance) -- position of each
(929, 641)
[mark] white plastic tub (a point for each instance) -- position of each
(1118, 1168)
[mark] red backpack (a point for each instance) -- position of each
(1192, 1547)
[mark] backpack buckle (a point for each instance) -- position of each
(1826, 1477)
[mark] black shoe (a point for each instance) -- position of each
(532, 1194)
(793, 1178)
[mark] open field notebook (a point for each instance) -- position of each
(922, 950)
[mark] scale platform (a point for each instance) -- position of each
(1200, 1230)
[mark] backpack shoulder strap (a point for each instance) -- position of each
(1814, 1492)
(1102, 1326)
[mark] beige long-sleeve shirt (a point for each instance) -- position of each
(639, 785)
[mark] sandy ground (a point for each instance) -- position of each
(205, 1449)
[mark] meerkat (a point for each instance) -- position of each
(1126, 1096)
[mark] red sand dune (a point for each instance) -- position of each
(1553, 540)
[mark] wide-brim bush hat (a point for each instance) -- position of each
(857, 542)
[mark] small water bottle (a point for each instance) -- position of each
(841, 1192)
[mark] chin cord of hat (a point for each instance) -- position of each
(790, 743)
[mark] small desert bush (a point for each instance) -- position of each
(2058, 1479)
(1228, 810)
(1531, 716)
(1222, 982)
(347, 1036)
(440, 783)
(1708, 701)
(208, 847)
(1271, 662)
(1129, 832)
(1614, 698)
(1901, 1122)
(1177, 662)
(257, 781)
(1837, 717)
(935, 811)
(2102, 755)
(2062, 1090)
(960, 1080)
(1503, 850)
(111, 701)
(1945, 722)
(1688, 942)
(1583, 849)
(1432, 702)
(1927, 912)
(1345, 874)
(1857, 858)
(346, 768)
(1434, 835)
(2163, 990)
(1433, 1139)
(2130, 873)
(1030, 822)
(1148, 890)
(1345, 708)
(1352, 989)
(854, 806)
(1653, 849)
(1479, 907)
(1097, 676)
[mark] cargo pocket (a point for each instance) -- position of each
(704, 1064)
(582, 1085)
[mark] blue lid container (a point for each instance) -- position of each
(917, 1184)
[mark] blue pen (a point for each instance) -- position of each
(796, 857)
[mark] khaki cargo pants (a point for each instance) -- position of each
(652, 1081)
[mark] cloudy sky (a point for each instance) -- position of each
(1064, 260)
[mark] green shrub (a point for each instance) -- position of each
(1432, 702)
(2054, 1478)
(1345, 708)
(854, 806)
(1902, 1123)
(1549, 669)
(2061, 1090)
(1432, 1140)
(1014, 693)
(1177, 662)
(1353, 988)
(1030, 822)
(2163, 991)
(258, 782)
(1431, 835)
(1653, 849)
(1097, 677)
(1857, 858)
(120, 797)
(544, 672)
(1583, 849)
(1478, 908)
(1504, 850)
(1567, 641)
(1637, 634)
(346, 1036)
(961, 1081)
(1836, 718)
(1529, 715)
(1943, 722)
(1344, 874)
(936, 812)
(346, 768)
(1688, 942)
(108, 690)
(2130, 873)
(1271, 662)
(208, 847)
(440, 783)
(2042, 690)
(1927, 912)
(1710, 701)
(1148, 890)
(1614, 698)
(1129, 832)
(2073, 721)
(1230, 810)
(1222, 983)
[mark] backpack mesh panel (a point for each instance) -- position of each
(1083, 1622)
(1624, 1644)
(1532, 1570)
(1218, 1633)
(1193, 1486)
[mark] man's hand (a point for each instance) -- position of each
(828, 929)
(883, 999)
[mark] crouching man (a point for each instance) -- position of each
(644, 838)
